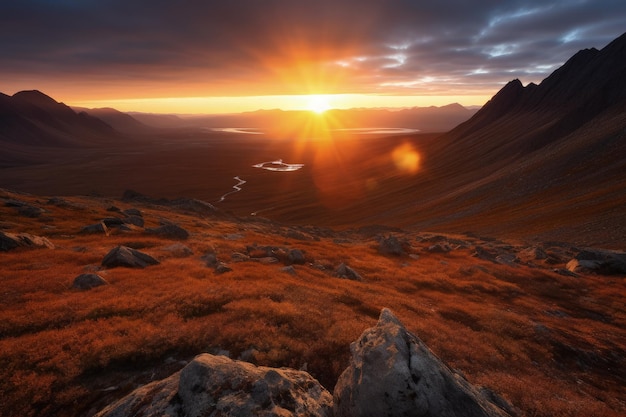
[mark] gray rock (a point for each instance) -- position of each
(391, 246)
(392, 373)
(134, 220)
(599, 261)
(95, 228)
(133, 212)
(169, 231)
(113, 221)
(178, 250)
(344, 271)
(127, 257)
(210, 259)
(289, 270)
(88, 281)
(439, 248)
(239, 257)
(266, 260)
(295, 256)
(30, 211)
(222, 268)
(218, 386)
(9, 241)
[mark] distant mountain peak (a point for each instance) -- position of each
(34, 97)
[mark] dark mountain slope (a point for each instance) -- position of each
(33, 118)
(535, 159)
(589, 83)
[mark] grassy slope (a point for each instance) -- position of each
(552, 345)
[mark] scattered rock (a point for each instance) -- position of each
(60, 202)
(600, 261)
(295, 256)
(266, 260)
(502, 256)
(222, 268)
(289, 270)
(114, 209)
(95, 228)
(439, 248)
(132, 212)
(210, 259)
(127, 257)
(195, 205)
(169, 231)
(179, 250)
(392, 373)
(239, 257)
(134, 220)
(344, 271)
(24, 209)
(218, 386)
(88, 281)
(30, 211)
(113, 221)
(391, 246)
(9, 241)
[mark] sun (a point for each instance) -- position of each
(318, 103)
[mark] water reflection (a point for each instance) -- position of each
(244, 130)
(278, 165)
(378, 130)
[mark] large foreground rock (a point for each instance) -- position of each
(392, 373)
(128, 257)
(218, 386)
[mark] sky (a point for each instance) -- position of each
(223, 56)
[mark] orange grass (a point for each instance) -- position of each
(551, 345)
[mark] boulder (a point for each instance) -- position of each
(210, 259)
(391, 246)
(134, 220)
(599, 261)
(289, 270)
(95, 228)
(169, 231)
(178, 250)
(88, 281)
(295, 256)
(113, 221)
(218, 386)
(344, 271)
(222, 268)
(439, 248)
(128, 257)
(392, 373)
(9, 241)
(132, 212)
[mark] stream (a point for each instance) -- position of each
(237, 188)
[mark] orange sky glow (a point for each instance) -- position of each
(245, 55)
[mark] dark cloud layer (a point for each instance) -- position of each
(239, 47)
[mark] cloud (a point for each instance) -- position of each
(154, 48)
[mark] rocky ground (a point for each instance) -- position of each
(101, 296)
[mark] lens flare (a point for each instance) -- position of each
(406, 159)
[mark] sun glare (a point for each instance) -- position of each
(318, 104)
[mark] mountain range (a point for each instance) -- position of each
(536, 161)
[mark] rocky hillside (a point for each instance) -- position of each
(105, 296)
